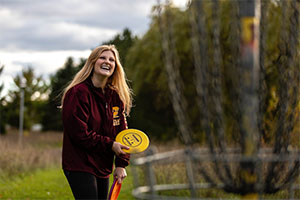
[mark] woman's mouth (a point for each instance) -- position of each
(105, 67)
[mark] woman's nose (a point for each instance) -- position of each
(108, 61)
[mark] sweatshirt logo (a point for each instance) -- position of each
(116, 118)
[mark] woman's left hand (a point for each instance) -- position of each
(120, 174)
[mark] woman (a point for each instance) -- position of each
(94, 105)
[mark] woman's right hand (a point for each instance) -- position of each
(117, 148)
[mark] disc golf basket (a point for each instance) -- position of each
(247, 89)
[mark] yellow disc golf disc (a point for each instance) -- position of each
(135, 139)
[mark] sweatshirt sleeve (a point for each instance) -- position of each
(76, 112)
(123, 160)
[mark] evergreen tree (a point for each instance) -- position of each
(52, 115)
(35, 91)
(123, 43)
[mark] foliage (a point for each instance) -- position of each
(282, 71)
(143, 67)
(52, 113)
(35, 92)
(143, 62)
(153, 109)
(123, 42)
(247, 100)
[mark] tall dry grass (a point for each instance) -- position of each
(37, 150)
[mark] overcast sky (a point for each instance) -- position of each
(43, 33)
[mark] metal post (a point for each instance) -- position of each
(249, 12)
(291, 187)
(190, 171)
(135, 174)
(21, 115)
(1, 116)
(151, 175)
(1, 70)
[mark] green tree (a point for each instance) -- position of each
(123, 43)
(35, 93)
(153, 110)
(52, 115)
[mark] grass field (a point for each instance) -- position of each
(33, 170)
(47, 184)
(41, 184)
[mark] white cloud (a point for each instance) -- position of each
(44, 63)
(44, 33)
(7, 16)
(180, 3)
(84, 35)
(69, 24)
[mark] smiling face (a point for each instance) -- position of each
(105, 64)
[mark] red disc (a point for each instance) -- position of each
(114, 190)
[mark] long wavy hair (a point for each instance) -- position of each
(117, 80)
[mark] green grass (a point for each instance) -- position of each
(42, 184)
(47, 184)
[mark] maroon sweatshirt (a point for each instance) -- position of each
(91, 120)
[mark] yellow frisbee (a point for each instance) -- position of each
(135, 139)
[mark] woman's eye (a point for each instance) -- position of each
(112, 60)
(102, 58)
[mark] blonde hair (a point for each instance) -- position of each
(117, 80)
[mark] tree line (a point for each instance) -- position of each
(142, 58)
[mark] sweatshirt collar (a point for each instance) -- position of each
(91, 86)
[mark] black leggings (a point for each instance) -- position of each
(87, 186)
